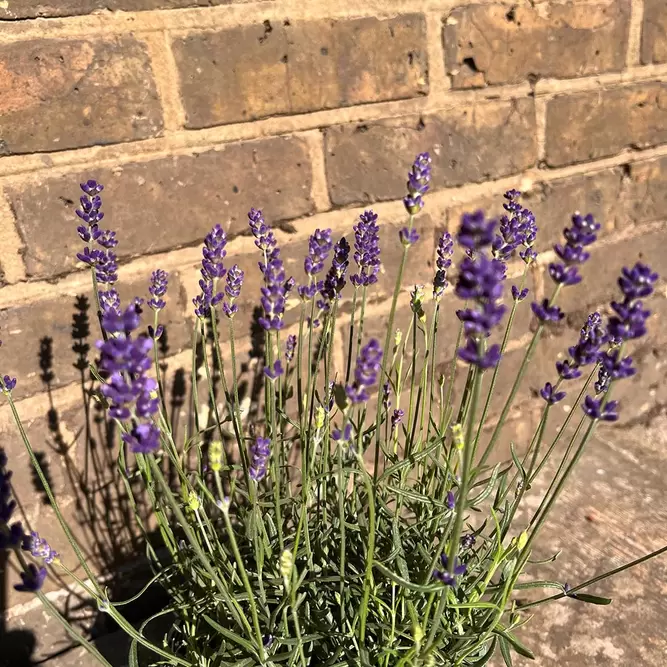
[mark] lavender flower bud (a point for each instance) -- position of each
(290, 347)
(335, 279)
(367, 249)
(444, 251)
(319, 247)
(408, 236)
(260, 453)
(582, 233)
(158, 288)
(273, 295)
(550, 396)
(546, 312)
(419, 178)
(594, 409)
(32, 579)
(396, 419)
(39, 548)
(366, 372)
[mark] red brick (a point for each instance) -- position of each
(553, 202)
(24, 326)
(654, 35)
(495, 44)
(168, 202)
(369, 162)
(23, 9)
(591, 125)
(281, 68)
(60, 94)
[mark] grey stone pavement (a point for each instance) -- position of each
(613, 511)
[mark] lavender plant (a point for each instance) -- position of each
(355, 519)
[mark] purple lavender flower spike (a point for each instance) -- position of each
(260, 453)
(519, 295)
(158, 288)
(582, 233)
(125, 362)
(39, 548)
(32, 579)
(367, 250)
(481, 281)
(443, 261)
(109, 301)
(264, 238)
(334, 282)
(550, 396)
(408, 236)
(419, 178)
(594, 409)
(365, 373)
(273, 295)
(450, 501)
(233, 290)
(214, 252)
(518, 229)
(476, 231)
(630, 316)
(547, 313)
(319, 247)
(396, 418)
(290, 347)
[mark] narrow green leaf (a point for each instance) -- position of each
(486, 492)
(516, 644)
(428, 588)
(505, 652)
(486, 657)
(517, 463)
(230, 635)
(539, 584)
(591, 599)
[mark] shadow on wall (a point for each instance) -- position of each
(106, 501)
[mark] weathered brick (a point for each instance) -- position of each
(553, 203)
(654, 34)
(494, 44)
(280, 68)
(168, 202)
(369, 162)
(24, 327)
(646, 194)
(597, 124)
(60, 94)
(28, 9)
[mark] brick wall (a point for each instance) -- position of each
(191, 111)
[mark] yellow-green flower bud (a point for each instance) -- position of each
(286, 564)
(193, 501)
(457, 436)
(320, 414)
(215, 456)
